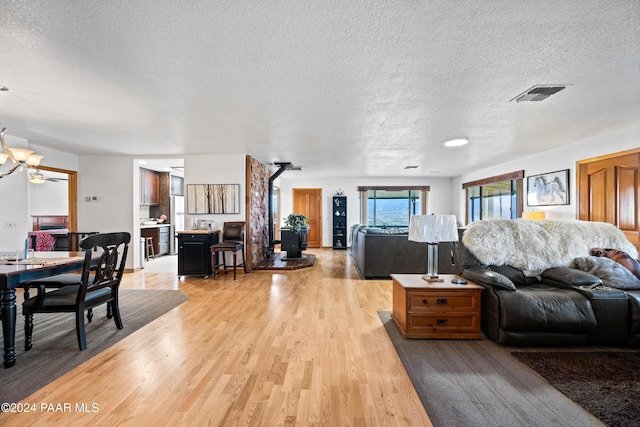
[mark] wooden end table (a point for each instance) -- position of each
(441, 310)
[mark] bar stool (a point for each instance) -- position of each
(232, 241)
(149, 252)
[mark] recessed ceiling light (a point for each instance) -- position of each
(3, 88)
(457, 142)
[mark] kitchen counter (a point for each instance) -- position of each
(207, 231)
(155, 225)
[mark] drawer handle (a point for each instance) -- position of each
(424, 301)
(443, 301)
(442, 322)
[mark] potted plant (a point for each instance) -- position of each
(296, 222)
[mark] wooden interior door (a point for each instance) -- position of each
(609, 191)
(308, 201)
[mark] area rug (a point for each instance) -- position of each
(607, 384)
(55, 344)
(478, 383)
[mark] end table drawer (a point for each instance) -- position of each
(433, 301)
(467, 322)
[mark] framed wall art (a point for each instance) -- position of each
(213, 198)
(548, 189)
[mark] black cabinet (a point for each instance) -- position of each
(339, 222)
(194, 253)
(294, 243)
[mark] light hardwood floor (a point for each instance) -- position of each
(272, 348)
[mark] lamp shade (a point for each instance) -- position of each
(21, 154)
(433, 228)
(535, 216)
(34, 159)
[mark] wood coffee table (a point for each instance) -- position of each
(441, 310)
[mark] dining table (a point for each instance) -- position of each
(15, 273)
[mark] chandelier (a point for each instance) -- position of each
(21, 158)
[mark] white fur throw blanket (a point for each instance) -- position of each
(534, 246)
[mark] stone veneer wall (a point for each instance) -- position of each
(258, 209)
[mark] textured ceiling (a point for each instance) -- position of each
(342, 88)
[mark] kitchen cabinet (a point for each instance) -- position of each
(177, 185)
(149, 187)
(161, 238)
(194, 252)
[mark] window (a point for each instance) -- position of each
(391, 206)
(498, 197)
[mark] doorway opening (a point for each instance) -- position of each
(47, 197)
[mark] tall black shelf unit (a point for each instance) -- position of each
(339, 222)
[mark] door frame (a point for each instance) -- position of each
(72, 193)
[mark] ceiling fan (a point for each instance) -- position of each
(37, 177)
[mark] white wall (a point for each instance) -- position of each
(51, 198)
(56, 159)
(14, 192)
(439, 200)
(110, 179)
(215, 169)
(48, 198)
(552, 160)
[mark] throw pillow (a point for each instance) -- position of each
(621, 258)
(610, 272)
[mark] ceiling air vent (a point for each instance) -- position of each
(538, 93)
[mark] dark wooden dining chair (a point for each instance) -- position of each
(233, 242)
(99, 283)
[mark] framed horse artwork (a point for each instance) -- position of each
(548, 189)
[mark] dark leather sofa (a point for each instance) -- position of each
(558, 306)
(380, 252)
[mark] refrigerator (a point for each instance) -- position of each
(177, 220)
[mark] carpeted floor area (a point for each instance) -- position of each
(606, 383)
(55, 345)
(479, 383)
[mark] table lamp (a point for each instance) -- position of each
(433, 229)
